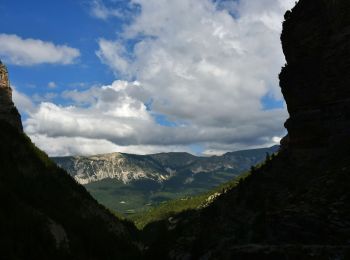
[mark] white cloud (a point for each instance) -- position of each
(114, 55)
(197, 65)
(100, 11)
(106, 112)
(276, 139)
(22, 102)
(26, 52)
(65, 146)
(196, 55)
(114, 114)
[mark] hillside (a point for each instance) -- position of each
(47, 215)
(128, 183)
(44, 213)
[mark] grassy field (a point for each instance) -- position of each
(119, 197)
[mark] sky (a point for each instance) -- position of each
(146, 76)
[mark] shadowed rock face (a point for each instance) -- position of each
(8, 111)
(315, 82)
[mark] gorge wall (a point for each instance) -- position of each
(315, 81)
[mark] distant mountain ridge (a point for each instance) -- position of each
(156, 167)
(129, 183)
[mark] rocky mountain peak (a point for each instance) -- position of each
(8, 111)
(315, 82)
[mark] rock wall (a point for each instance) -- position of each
(8, 111)
(315, 82)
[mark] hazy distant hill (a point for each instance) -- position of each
(128, 183)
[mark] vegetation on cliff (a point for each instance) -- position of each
(45, 214)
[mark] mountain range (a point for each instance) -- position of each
(128, 183)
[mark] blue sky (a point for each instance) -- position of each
(61, 22)
(95, 76)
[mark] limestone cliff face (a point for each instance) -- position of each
(8, 111)
(315, 81)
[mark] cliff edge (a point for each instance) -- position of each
(8, 111)
(315, 82)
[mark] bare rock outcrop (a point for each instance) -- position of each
(8, 111)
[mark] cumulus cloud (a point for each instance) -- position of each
(199, 63)
(26, 52)
(192, 54)
(203, 66)
(113, 114)
(106, 112)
